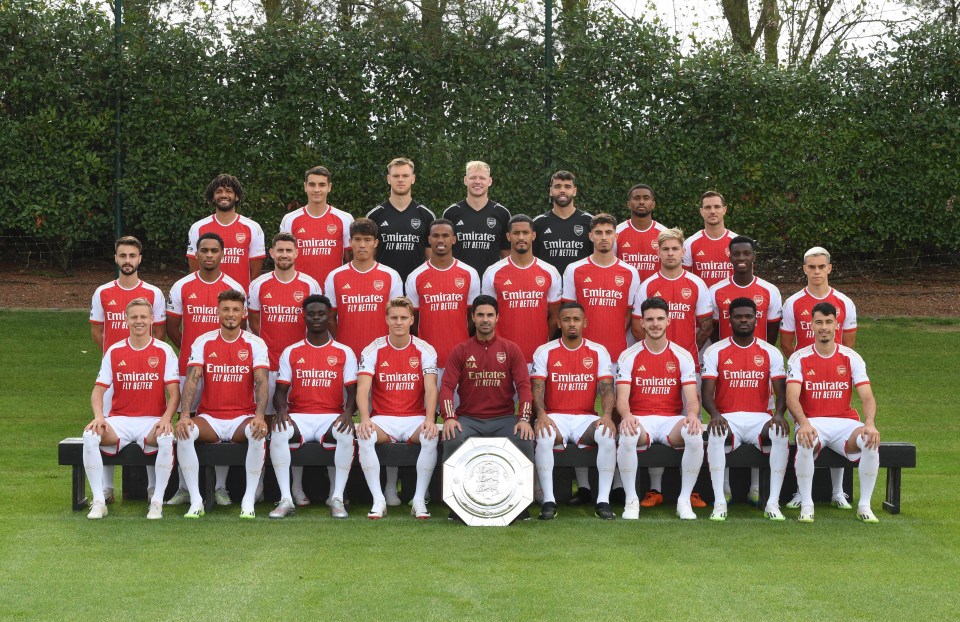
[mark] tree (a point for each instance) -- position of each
(949, 10)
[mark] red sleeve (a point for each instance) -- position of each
(521, 380)
(451, 378)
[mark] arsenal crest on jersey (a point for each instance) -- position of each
(331, 228)
(671, 367)
(578, 230)
(758, 299)
(241, 237)
(655, 245)
(727, 251)
(491, 222)
(619, 280)
(587, 363)
(414, 362)
(501, 357)
(541, 281)
(331, 360)
(758, 361)
(378, 285)
(298, 296)
(243, 354)
(686, 292)
(415, 223)
(459, 282)
(842, 370)
(153, 361)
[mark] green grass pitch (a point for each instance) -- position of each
(59, 566)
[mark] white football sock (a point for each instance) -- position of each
(606, 463)
(656, 478)
(690, 463)
(583, 477)
(164, 466)
(151, 477)
(393, 474)
(221, 473)
(108, 472)
(190, 465)
(779, 454)
(803, 464)
(869, 468)
(343, 459)
(296, 479)
(256, 452)
(370, 464)
(543, 457)
(836, 478)
(717, 461)
(426, 463)
(627, 463)
(93, 464)
(280, 457)
(331, 478)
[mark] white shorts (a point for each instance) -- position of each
(130, 430)
(833, 432)
(658, 428)
(572, 428)
(196, 397)
(272, 388)
(746, 428)
(225, 428)
(399, 429)
(312, 428)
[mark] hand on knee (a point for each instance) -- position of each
(688, 437)
(546, 440)
(370, 441)
(91, 438)
(604, 439)
(428, 442)
(165, 440)
(342, 436)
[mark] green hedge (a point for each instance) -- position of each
(859, 153)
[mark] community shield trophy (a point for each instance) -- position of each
(488, 481)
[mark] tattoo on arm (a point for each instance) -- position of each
(189, 389)
(606, 397)
(261, 389)
(538, 387)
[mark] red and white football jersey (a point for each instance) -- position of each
(607, 294)
(228, 372)
(360, 300)
(443, 298)
(524, 296)
(242, 241)
(656, 379)
(317, 376)
(321, 240)
(195, 301)
(743, 375)
(280, 308)
(708, 258)
(109, 307)
(689, 302)
(826, 382)
(639, 248)
(798, 310)
(138, 377)
(763, 293)
(398, 388)
(571, 377)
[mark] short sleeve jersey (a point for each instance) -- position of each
(138, 378)
(321, 240)
(317, 376)
(826, 382)
(360, 299)
(242, 241)
(481, 234)
(708, 258)
(742, 374)
(798, 312)
(109, 308)
(656, 379)
(562, 241)
(195, 301)
(763, 293)
(280, 308)
(398, 388)
(639, 248)
(227, 372)
(689, 302)
(571, 377)
(524, 296)
(607, 294)
(443, 299)
(403, 235)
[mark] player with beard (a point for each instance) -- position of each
(637, 237)
(706, 253)
(563, 232)
(479, 222)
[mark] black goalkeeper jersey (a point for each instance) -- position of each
(403, 235)
(562, 241)
(481, 234)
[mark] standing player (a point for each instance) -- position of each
(399, 373)
(737, 374)
(402, 223)
(142, 372)
(479, 222)
(108, 323)
(314, 375)
(637, 236)
(568, 374)
(243, 251)
(276, 316)
(796, 332)
(656, 381)
(706, 253)
(743, 284)
(233, 365)
(359, 290)
(526, 288)
(819, 388)
(563, 231)
(321, 230)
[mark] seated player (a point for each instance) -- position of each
(400, 371)
(314, 375)
(142, 372)
(737, 374)
(819, 387)
(656, 379)
(232, 364)
(568, 373)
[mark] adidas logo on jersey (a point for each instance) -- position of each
(659, 295)
(268, 295)
(471, 363)
(805, 312)
(112, 303)
(385, 364)
(811, 373)
(213, 355)
(558, 364)
(460, 223)
(471, 359)
(547, 231)
(641, 368)
(301, 230)
(728, 362)
(428, 286)
(588, 280)
(192, 297)
(384, 223)
(508, 282)
(701, 254)
(301, 361)
(727, 301)
(625, 245)
(347, 286)
(122, 364)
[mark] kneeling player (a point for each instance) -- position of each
(401, 372)
(737, 374)
(143, 375)
(656, 379)
(567, 376)
(819, 387)
(314, 374)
